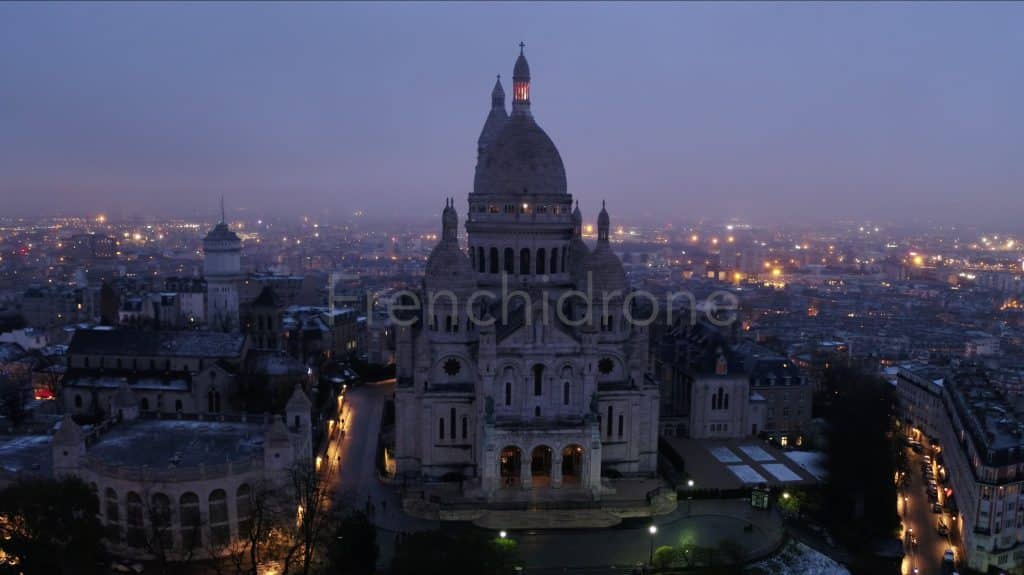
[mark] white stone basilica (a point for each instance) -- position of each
(494, 384)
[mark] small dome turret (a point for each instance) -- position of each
(448, 267)
(602, 266)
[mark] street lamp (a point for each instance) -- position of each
(785, 495)
(502, 534)
(653, 530)
(689, 483)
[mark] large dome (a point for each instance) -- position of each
(521, 160)
(605, 270)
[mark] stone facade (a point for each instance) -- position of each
(198, 499)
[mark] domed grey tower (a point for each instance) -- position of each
(222, 270)
(520, 216)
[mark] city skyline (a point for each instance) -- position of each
(762, 113)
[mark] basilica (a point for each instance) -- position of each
(520, 371)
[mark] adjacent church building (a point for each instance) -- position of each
(508, 379)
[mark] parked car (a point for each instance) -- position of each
(942, 529)
(936, 508)
(948, 557)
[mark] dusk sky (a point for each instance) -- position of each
(767, 113)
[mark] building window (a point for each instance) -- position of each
(452, 367)
(144, 403)
(536, 411)
(606, 365)
(508, 393)
(565, 393)
(220, 529)
(622, 420)
(610, 421)
(243, 507)
(541, 261)
(440, 428)
(524, 261)
(465, 427)
(452, 419)
(78, 400)
(494, 260)
(113, 516)
(188, 512)
(554, 260)
(509, 261)
(136, 531)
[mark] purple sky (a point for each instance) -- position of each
(763, 112)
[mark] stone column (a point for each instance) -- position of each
(525, 474)
(232, 493)
(556, 469)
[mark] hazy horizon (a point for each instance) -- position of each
(766, 113)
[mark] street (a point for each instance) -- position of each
(920, 522)
(356, 484)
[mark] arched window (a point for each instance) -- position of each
(536, 411)
(243, 509)
(177, 405)
(609, 421)
(565, 393)
(725, 405)
(78, 400)
(554, 260)
(440, 428)
(494, 260)
(160, 520)
(538, 379)
(509, 261)
(113, 512)
(524, 261)
(452, 419)
(220, 530)
(508, 393)
(188, 515)
(144, 403)
(541, 262)
(622, 420)
(481, 266)
(465, 427)
(136, 535)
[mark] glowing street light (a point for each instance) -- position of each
(653, 530)
(502, 534)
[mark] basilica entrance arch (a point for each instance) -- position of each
(540, 465)
(572, 465)
(511, 466)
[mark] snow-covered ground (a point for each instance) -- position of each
(797, 559)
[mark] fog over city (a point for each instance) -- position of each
(771, 114)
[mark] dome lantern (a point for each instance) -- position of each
(521, 84)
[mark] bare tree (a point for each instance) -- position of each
(310, 491)
(14, 389)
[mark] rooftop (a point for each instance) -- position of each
(26, 454)
(172, 443)
(157, 344)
